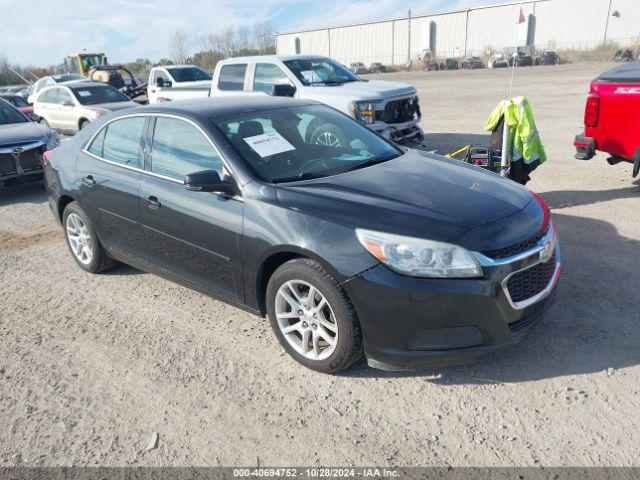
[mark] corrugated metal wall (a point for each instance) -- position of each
(560, 24)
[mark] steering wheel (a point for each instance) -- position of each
(306, 167)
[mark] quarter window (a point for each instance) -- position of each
(179, 149)
(232, 77)
(267, 75)
(122, 141)
(98, 142)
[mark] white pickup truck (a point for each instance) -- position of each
(390, 108)
(177, 82)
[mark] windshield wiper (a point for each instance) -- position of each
(370, 162)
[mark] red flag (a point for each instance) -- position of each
(522, 18)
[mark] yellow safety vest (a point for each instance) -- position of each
(525, 141)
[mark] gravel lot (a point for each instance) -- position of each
(93, 367)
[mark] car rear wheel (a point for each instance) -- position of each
(312, 317)
(83, 242)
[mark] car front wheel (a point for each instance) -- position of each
(83, 242)
(312, 317)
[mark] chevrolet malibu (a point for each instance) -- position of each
(365, 248)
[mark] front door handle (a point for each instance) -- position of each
(89, 181)
(154, 203)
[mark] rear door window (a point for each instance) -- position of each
(232, 77)
(122, 141)
(49, 96)
(179, 149)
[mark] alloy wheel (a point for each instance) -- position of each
(306, 319)
(79, 239)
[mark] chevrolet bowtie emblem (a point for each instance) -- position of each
(18, 149)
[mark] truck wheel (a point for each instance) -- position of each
(328, 135)
(636, 164)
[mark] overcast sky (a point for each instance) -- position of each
(42, 32)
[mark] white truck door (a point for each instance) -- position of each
(263, 77)
(229, 79)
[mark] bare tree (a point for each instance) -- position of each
(243, 38)
(178, 47)
(264, 37)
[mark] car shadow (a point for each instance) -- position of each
(27, 193)
(444, 143)
(592, 327)
(572, 198)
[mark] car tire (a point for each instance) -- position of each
(83, 124)
(303, 333)
(83, 242)
(328, 135)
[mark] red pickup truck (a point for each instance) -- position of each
(612, 117)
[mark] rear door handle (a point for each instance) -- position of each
(154, 204)
(88, 180)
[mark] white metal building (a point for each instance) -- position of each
(550, 24)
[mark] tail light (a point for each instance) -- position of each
(592, 110)
(45, 157)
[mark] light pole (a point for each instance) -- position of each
(409, 39)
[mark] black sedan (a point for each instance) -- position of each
(449, 64)
(361, 247)
(22, 144)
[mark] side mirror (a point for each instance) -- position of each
(283, 90)
(208, 181)
(161, 83)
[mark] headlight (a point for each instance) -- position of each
(418, 257)
(53, 141)
(364, 111)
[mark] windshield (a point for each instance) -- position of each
(16, 101)
(189, 74)
(318, 71)
(90, 95)
(289, 144)
(8, 114)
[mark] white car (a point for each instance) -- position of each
(390, 108)
(69, 108)
(177, 82)
(49, 81)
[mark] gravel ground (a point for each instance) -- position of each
(129, 369)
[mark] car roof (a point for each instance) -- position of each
(88, 83)
(281, 58)
(205, 108)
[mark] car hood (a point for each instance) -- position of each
(422, 195)
(365, 90)
(23, 132)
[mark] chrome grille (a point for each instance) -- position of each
(530, 282)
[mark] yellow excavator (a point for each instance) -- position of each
(82, 63)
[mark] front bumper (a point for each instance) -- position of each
(409, 323)
(402, 133)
